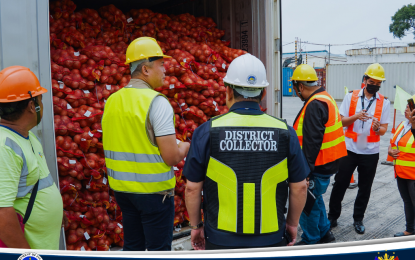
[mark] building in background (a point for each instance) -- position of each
(381, 55)
(347, 70)
(316, 59)
(399, 64)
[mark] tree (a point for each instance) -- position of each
(403, 21)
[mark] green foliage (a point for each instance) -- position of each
(403, 21)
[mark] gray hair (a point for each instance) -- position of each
(137, 66)
(307, 83)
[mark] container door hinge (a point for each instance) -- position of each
(277, 45)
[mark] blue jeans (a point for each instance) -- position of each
(316, 225)
(147, 221)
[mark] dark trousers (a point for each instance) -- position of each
(147, 221)
(407, 190)
(366, 167)
(210, 246)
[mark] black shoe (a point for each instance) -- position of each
(333, 223)
(359, 227)
(402, 234)
(352, 185)
(328, 237)
(300, 243)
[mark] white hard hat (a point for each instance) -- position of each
(247, 71)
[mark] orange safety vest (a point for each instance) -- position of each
(405, 164)
(373, 137)
(334, 145)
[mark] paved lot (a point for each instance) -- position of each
(384, 215)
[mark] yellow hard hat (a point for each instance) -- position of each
(143, 48)
(375, 71)
(304, 72)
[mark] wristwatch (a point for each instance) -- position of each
(197, 226)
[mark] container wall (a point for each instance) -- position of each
(321, 74)
(350, 75)
(24, 41)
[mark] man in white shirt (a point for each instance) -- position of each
(365, 113)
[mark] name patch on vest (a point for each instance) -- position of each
(248, 141)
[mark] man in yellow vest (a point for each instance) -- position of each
(140, 149)
(319, 129)
(244, 161)
(365, 113)
(26, 185)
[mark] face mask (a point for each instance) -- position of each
(372, 89)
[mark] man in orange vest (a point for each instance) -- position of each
(365, 113)
(412, 119)
(320, 132)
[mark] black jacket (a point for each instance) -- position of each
(315, 118)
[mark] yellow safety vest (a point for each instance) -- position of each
(134, 163)
(246, 181)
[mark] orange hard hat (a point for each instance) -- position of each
(16, 82)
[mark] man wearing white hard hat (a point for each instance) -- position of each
(245, 161)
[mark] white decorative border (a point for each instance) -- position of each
(312, 250)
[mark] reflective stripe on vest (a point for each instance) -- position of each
(225, 177)
(333, 146)
(405, 164)
(270, 180)
(134, 164)
(373, 137)
(393, 140)
(256, 198)
(129, 176)
(23, 188)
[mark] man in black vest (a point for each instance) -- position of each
(245, 161)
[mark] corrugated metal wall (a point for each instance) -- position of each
(24, 41)
(350, 75)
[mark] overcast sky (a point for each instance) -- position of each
(339, 22)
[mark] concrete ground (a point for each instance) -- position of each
(385, 214)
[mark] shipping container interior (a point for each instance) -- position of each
(246, 23)
(250, 25)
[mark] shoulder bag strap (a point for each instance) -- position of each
(32, 196)
(31, 202)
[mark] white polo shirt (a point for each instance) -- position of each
(364, 127)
